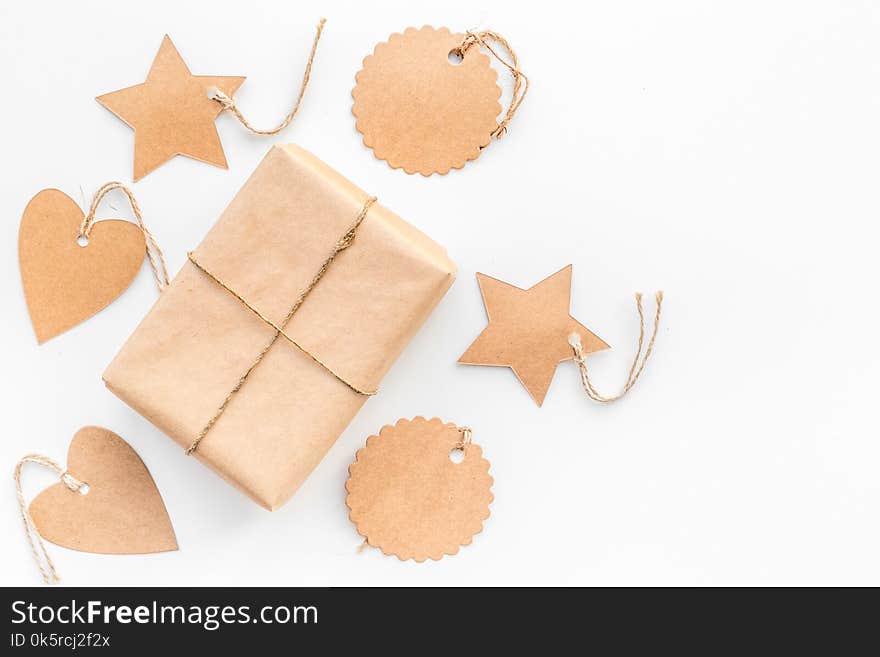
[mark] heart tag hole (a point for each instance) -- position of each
(82, 240)
(83, 490)
(456, 455)
(455, 57)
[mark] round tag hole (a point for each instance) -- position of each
(456, 455)
(455, 57)
(82, 240)
(84, 489)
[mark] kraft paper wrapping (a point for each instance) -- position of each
(197, 340)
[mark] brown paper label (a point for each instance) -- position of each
(65, 283)
(528, 330)
(122, 512)
(421, 112)
(410, 499)
(171, 112)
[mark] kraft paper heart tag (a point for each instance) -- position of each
(105, 503)
(427, 100)
(531, 332)
(73, 266)
(173, 112)
(410, 496)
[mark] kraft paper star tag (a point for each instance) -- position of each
(529, 330)
(171, 112)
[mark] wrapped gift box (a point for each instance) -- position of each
(197, 342)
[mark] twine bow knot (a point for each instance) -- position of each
(346, 240)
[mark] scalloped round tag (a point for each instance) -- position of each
(419, 490)
(421, 106)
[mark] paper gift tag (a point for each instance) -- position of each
(532, 331)
(117, 511)
(427, 101)
(72, 266)
(106, 502)
(65, 283)
(528, 330)
(408, 497)
(173, 112)
(122, 511)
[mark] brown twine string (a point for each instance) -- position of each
(38, 548)
(341, 244)
(466, 435)
(277, 328)
(638, 366)
(154, 253)
(520, 81)
(228, 103)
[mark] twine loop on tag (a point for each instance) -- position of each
(639, 362)
(38, 548)
(229, 105)
(340, 245)
(466, 436)
(520, 81)
(154, 253)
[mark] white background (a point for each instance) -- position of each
(724, 152)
